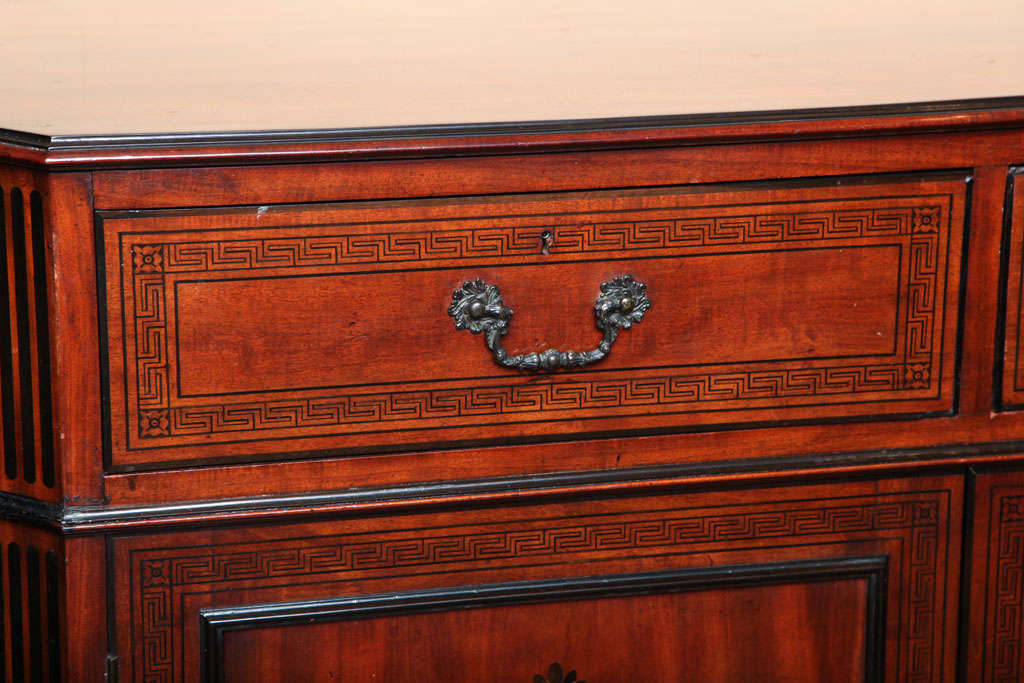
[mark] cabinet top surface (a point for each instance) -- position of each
(114, 67)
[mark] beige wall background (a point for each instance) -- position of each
(115, 66)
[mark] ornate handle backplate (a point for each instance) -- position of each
(477, 307)
(555, 676)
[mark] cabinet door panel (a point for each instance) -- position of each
(832, 582)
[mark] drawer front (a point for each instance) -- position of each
(847, 582)
(248, 333)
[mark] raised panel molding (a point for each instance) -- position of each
(216, 624)
(172, 578)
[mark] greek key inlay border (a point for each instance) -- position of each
(155, 415)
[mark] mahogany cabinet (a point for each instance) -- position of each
(332, 419)
(631, 396)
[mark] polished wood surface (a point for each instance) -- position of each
(1012, 367)
(263, 186)
(26, 393)
(811, 302)
(995, 638)
(771, 633)
(820, 539)
(67, 69)
(609, 168)
(707, 552)
(32, 609)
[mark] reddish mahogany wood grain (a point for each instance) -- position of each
(1012, 380)
(981, 295)
(333, 474)
(84, 617)
(33, 599)
(75, 340)
(995, 635)
(794, 302)
(30, 443)
(668, 164)
(163, 581)
(270, 184)
(757, 305)
(278, 338)
(142, 156)
(796, 632)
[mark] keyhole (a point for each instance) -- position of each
(547, 240)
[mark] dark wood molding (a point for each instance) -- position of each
(1005, 395)
(282, 146)
(94, 142)
(90, 519)
(25, 510)
(214, 623)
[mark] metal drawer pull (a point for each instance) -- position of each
(477, 307)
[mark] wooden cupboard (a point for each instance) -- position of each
(678, 398)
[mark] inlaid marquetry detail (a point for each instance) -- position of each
(160, 576)
(153, 417)
(1004, 625)
(25, 384)
(31, 640)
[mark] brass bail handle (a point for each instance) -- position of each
(477, 307)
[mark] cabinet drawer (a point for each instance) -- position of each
(837, 582)
(260, 332)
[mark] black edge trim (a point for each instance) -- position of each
(113, 666)
(16, 625)
(34, 605)
(53, 612)
(104, 340)
(214, 623)
(10, 442)
(1003, 284)
(29, 140)
(112, 142)
(3, 617)
(30, 511)
(306, 504)
(966, 551)
(69, 518)
(39, 292)
(961, 303)
(26, 399)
